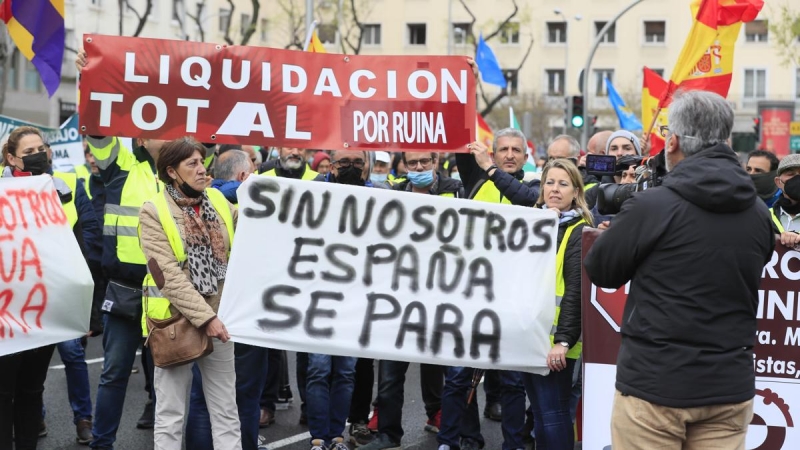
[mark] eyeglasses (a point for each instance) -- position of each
(424, 161)
(345, 163)
(663, 130)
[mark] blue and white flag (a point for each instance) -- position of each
(627, 118)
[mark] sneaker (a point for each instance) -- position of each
(266, 419)
(444, 447)
(42, 429)
(360, 434)
(433, 424)
(148, 419)
(337, 444)
(318, 444)
(470, 444)
(84, 431)
(284, 398)
(373, 421)
(382, 442)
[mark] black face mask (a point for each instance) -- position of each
(36, 163)
(188, 190)
(791, 188)
(765, 184)
(350, 175)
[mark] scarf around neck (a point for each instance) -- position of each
(205, 244)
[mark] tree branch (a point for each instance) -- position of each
(471, 25)
(248, 33)
(197, 20)
(504, 23)
(228, 25)
(141, 17)
(490, 104)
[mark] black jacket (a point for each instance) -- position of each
(520, 194)
(443, 185)
(694, 250)
(569, 321)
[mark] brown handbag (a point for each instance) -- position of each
(173, 341)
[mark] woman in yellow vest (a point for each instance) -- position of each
(563, 192)
(186, 234)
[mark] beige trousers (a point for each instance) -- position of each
(219, 386)
(638, 424)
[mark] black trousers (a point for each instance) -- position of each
(362, 391)
(391, 393)
(22, 377)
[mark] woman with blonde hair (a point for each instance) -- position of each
(561, 192)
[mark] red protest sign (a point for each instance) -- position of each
(164, 89)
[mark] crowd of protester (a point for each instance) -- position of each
(126, 206)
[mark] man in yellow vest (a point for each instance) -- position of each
(291, 163)
(786, 211)
(497, 178)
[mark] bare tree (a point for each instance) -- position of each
(141, 17)
(295, 23)
(785, 30)
(490, 103)
(230, 21)
(248, 32)
(198, 19)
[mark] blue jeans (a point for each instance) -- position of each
(459, 420)
(513, 401)
(121, 339)
(577, 389)
(73, 356)
(251, 373)
(329, 391)
(550, 396)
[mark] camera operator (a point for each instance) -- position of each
(693, 249)
(625, 174)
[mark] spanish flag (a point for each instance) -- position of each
(315, 45)
(37, 28)
(485, 133)
(654, 87)
(706, 60)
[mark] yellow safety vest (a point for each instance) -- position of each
(157, 304)
(575, 351)
(394, 180)
(83, 173)
(69, 208)
(490, 194)
(122, 220)
(308, 175)
(777, 221)
(589, 186)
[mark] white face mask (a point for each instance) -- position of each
(455, 176)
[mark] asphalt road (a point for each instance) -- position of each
(285, 434)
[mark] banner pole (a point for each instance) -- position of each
(309, 34)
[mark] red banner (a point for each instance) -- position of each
(165, 89)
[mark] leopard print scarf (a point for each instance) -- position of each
(205, 245)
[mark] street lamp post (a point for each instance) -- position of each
(597, 40)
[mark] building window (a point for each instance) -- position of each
(462, 33)
(756, 31)
(95, 3)
(610, 36)
(69, 41)
(32, 81)
(599, 83)
(755, 84)
(797, 84)
(12, 71)
(655, 31)
(660, 72)
(555, 82)
(510, 33)
(224, 19)
(556, 32)
(264, 27)
(372, 34)
(327, 33)
(245, 23)
(178, 10)
(512, 76)
(417, 34)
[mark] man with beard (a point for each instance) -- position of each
(292, 164)
(786, 209)
(762, 166)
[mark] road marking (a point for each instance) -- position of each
(88, 362)
(290, 440)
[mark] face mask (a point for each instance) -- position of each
(188, 190)
(378, 177)
(765, 183)
(421, 179)
(36, 163)
(350, 175)
(455, 176)
(791, 188)
(273, 154)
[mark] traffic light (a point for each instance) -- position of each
(576, 109)
(757, 127)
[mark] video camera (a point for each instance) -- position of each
(611, 196)
(604, 165)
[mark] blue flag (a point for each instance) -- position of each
(627, 118)
(488, 66)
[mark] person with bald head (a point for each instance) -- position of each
(597, 143)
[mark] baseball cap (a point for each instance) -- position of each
(789, 162)
(383, 157)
